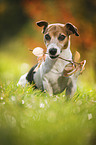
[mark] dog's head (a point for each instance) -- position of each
(56, 36)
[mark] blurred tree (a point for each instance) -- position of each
(84, 12)
(12, 18)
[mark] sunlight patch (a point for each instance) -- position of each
(24, 67)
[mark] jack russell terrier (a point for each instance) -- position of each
(49, 76)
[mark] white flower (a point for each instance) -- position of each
(91, 91)
(22, 101)
(1, 98)
(89, 116)
(42, 105)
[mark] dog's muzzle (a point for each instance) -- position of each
(52, 53)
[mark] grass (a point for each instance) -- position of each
(31, 117)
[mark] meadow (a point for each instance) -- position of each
(32, 117)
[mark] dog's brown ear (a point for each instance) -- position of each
(43, 24)
(71, 29)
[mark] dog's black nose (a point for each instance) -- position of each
(52, 51)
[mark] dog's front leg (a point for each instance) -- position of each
(71, 88)
(47, 86)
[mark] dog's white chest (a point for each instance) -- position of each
(50, 73)
(56, 81)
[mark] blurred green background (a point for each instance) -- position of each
(27, 116)
(19, 33)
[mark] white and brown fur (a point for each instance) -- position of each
(49, 76)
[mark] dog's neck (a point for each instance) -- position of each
(60, 64)
(66, 53)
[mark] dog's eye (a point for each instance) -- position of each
(61, 37)
(47, 37)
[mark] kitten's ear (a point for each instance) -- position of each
(71, 29)
(43, 24)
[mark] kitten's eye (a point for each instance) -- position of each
(61, 37)
(47, 37)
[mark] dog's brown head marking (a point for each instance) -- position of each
(68, 27)
(56, 36)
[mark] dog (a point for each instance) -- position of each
(49, 77)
